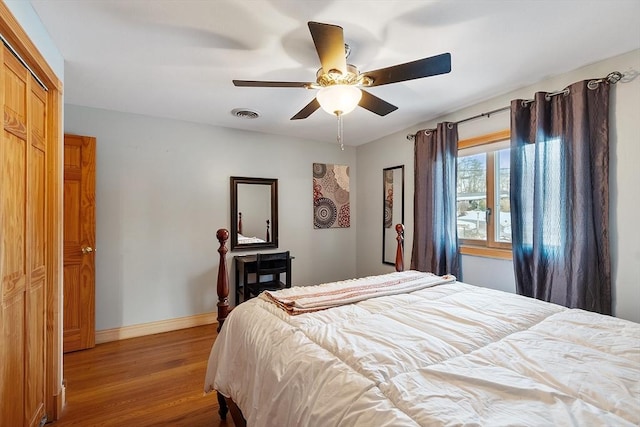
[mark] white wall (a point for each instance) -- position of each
(624, 184)
(162, 191)
(30, 22)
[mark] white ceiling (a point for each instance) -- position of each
(176, 58)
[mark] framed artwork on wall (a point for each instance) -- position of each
(331, 196)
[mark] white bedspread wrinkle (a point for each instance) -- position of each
(452, 354)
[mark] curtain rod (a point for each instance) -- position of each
(612, 78)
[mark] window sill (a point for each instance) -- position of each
(485, 252)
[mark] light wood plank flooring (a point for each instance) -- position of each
(156, 380)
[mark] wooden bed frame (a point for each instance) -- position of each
(227, 404)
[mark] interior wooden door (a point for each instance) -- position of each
(23, 250)
(79, 243)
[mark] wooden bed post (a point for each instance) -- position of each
(223, 278)
(268, 236)
(399, 249)
(223, 300)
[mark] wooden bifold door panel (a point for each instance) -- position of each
(79, 243)
(23, 222)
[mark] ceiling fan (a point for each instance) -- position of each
(341, 85)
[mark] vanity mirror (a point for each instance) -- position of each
(393, 210)
(254, 213)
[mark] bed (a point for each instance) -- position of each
(442, 353)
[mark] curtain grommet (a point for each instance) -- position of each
(614, 77)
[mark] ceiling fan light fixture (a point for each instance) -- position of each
(339, 99)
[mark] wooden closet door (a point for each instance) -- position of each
(35, 295)
(22, 246)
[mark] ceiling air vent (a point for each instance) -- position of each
(244, 113)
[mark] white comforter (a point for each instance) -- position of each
(452, 354)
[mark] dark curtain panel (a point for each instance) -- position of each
(560, 197)
(435, 234)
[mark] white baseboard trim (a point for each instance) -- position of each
(158, 327)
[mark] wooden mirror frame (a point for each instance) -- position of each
(398, 198)
(272, 183)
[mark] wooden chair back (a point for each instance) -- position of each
(272, 265)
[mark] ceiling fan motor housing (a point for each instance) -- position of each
(334, 77)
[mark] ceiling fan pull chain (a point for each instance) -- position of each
(339, 115)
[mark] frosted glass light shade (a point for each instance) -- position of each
(339, 99)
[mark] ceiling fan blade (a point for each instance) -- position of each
(375, 104)
(307, 110)
(329, 41)
(258, 83)
(434, 65)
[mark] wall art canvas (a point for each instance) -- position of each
(331, 196)
(388, 198)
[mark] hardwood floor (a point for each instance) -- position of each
(156, 380)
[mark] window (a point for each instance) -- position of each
(484, 217)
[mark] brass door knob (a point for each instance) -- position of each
(87, 250)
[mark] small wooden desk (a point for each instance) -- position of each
(245, 265)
